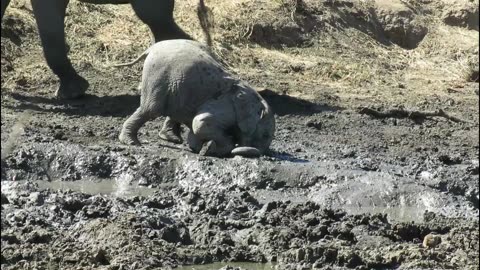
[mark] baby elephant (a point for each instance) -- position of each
(182, 80)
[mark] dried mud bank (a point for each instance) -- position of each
(339, 190)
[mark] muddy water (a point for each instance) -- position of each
(243, 265)
(118, 189)
(401, 198)
(407, 208)
(329, 183)
(113, 188)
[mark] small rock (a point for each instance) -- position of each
(36, 198)
(143, 182)
(431, 241)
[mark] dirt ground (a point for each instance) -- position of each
(354, 179)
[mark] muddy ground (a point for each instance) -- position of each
(340, 189)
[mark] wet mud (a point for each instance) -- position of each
(347, 192)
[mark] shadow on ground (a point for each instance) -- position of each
(125, 105)
(90, 105)
(288, 105)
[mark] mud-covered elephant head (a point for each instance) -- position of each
(255, 119)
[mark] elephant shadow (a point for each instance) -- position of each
(89, 105)
(125, 104)
(283, 104)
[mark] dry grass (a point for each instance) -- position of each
(345, 59)
(334, 56)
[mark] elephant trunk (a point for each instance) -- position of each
(246, 151)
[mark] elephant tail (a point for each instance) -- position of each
(136, 60)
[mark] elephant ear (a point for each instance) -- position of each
(248, 108)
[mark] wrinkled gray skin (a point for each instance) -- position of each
(182, 80)
(50, 16)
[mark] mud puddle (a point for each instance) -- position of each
(115, 188)
(125, 188)
(342, 184)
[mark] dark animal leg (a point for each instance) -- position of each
(4, 4)
(205, 17)
(158, 15)
(50, 15)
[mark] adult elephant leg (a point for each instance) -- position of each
(4, 6)
(158, 15)
(50, 16)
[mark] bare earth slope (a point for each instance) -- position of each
(355, 180)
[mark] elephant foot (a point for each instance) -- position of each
(194, 143)
(72, 88)
(209, 149)
(171, 135)
(128, 139)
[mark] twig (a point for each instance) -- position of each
(411, 114)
